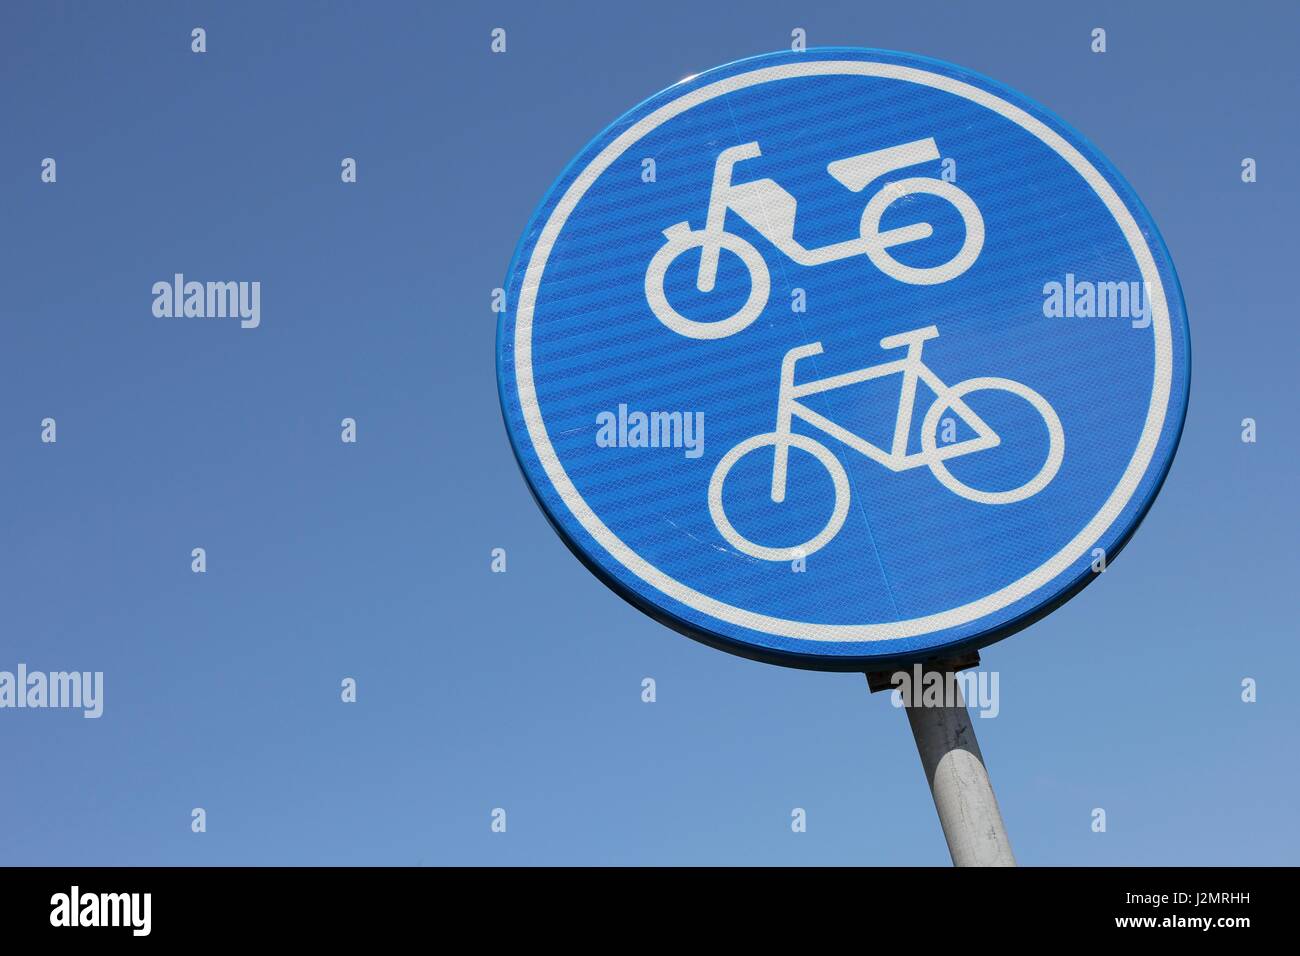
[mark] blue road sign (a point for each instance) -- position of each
(843, 358)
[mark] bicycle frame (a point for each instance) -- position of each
(770, 208)
(913, 370)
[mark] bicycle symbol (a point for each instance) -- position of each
(770, 209)
(896, 458)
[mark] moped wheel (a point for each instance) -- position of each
(933, 275)
(742, 544)
(1055, 441)
(681, 238)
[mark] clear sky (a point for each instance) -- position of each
(372, 560)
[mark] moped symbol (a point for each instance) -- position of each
(770, 209)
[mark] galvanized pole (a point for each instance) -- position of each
(959, 781)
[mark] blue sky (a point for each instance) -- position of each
(522, 690)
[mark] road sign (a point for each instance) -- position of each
(843, 358)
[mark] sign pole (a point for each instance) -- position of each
(621, 332)
(954, 767)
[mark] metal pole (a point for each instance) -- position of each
(959, 781)
(954, 767)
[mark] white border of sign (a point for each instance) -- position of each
(805, 630)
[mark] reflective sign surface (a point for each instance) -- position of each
(843, 358)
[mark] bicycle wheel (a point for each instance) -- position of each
(878, 252)
(681, 239)
(742, 544)
(1055, 441)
